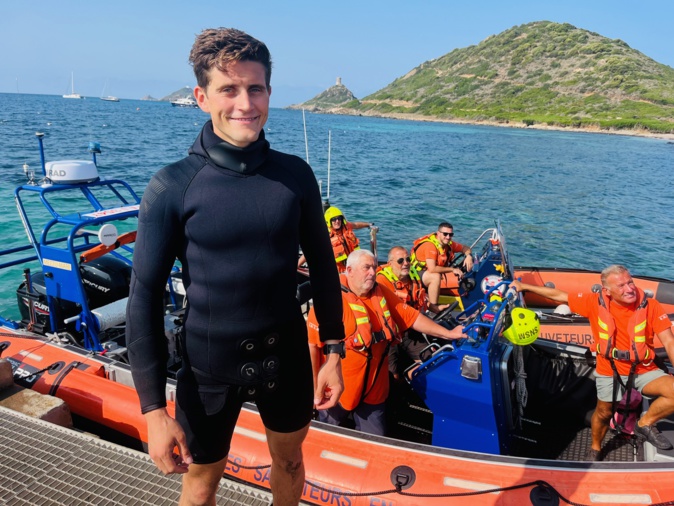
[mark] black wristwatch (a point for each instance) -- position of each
(338, 348)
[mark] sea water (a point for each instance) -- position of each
(564, 199)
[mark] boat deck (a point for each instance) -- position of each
(44, 464)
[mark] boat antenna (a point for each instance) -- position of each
(94, 148)
(327, 195)
(306, 142)
(39, 136)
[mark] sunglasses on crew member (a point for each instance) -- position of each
(336, 218)
(402, 260)
(446, 234)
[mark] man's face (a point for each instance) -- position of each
(238, 101)
(400, 263)
(337, 222)
(621, 288)
(361, 276)
(445, 235)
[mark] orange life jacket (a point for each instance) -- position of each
(639, 350)
(412, 293)
(365, 349)
(445, 255)
(363, 338)
(342, 245)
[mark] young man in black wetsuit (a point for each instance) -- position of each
(234, 212)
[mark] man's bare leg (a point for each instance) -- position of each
(432, 282)
(287, 468)
(663, 406)
(201, 483)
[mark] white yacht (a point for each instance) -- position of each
(72, 93)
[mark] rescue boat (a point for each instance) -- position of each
(499, 417)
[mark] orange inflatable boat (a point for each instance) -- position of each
(492, 419)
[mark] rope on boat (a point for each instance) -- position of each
(22, 336)
(544, 489)
(63, 374)
(48, 368)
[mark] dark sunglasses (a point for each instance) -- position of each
(337, 218)
(401, 261)
(447, 234)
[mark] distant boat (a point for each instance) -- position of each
(108, 98)
(184, 102)
(72, 93)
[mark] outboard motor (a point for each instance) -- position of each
(105, 279)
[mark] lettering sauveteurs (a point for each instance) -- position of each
(570, 337)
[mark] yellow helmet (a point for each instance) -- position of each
(333, 212)
(524, 327)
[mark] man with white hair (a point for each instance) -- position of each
(623, 322)
(374, 317)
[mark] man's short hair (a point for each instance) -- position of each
(220, 47)
(445, 224)
(355, 256)
(393, 250)
(612, 269)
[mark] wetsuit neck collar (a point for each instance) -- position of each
(242, 160)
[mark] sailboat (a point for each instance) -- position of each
(108, 98)
(72, 93)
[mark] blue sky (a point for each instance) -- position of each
(141, 47)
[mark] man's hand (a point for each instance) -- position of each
(164, 434)
(329, 384)
(516, 285)
(468, 262)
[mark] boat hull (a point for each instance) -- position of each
(340, 462)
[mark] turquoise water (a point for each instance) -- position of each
(565, 199)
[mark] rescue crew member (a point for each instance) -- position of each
(343, 240)
(232, 200)
(398, 276)
(623, 323)
(373, 317)
(432, 256)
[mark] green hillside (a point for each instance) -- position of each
(541, 72)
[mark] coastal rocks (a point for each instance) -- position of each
(45, 407)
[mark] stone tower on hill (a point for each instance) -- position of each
(331, 98)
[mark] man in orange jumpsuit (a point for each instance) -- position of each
(623, 323)
(373, 318)
(432, 256)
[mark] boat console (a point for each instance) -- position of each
(463, 383)
(467, 384)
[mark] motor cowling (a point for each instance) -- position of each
(105, 280)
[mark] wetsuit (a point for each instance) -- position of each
(235, 218)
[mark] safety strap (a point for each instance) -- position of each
(376, 374)
(628, 386)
